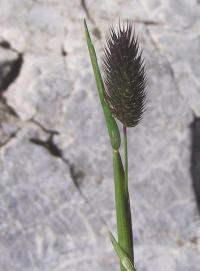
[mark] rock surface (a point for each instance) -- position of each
(56, 183)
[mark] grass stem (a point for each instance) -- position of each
(125, 158)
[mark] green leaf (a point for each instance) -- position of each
(111, 124)
(124, 259)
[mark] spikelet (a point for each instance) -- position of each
(124, 75)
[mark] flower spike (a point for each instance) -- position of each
(124, 75)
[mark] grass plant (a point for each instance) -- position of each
(122, 95)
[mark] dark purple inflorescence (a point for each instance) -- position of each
(124, 75)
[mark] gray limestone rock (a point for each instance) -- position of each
(56, 183)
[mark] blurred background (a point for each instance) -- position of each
(56, 186)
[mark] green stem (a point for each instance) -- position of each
(126, 185)
(126, 158)
(124, 229)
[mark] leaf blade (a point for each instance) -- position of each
(111, 124)
(124, 259)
